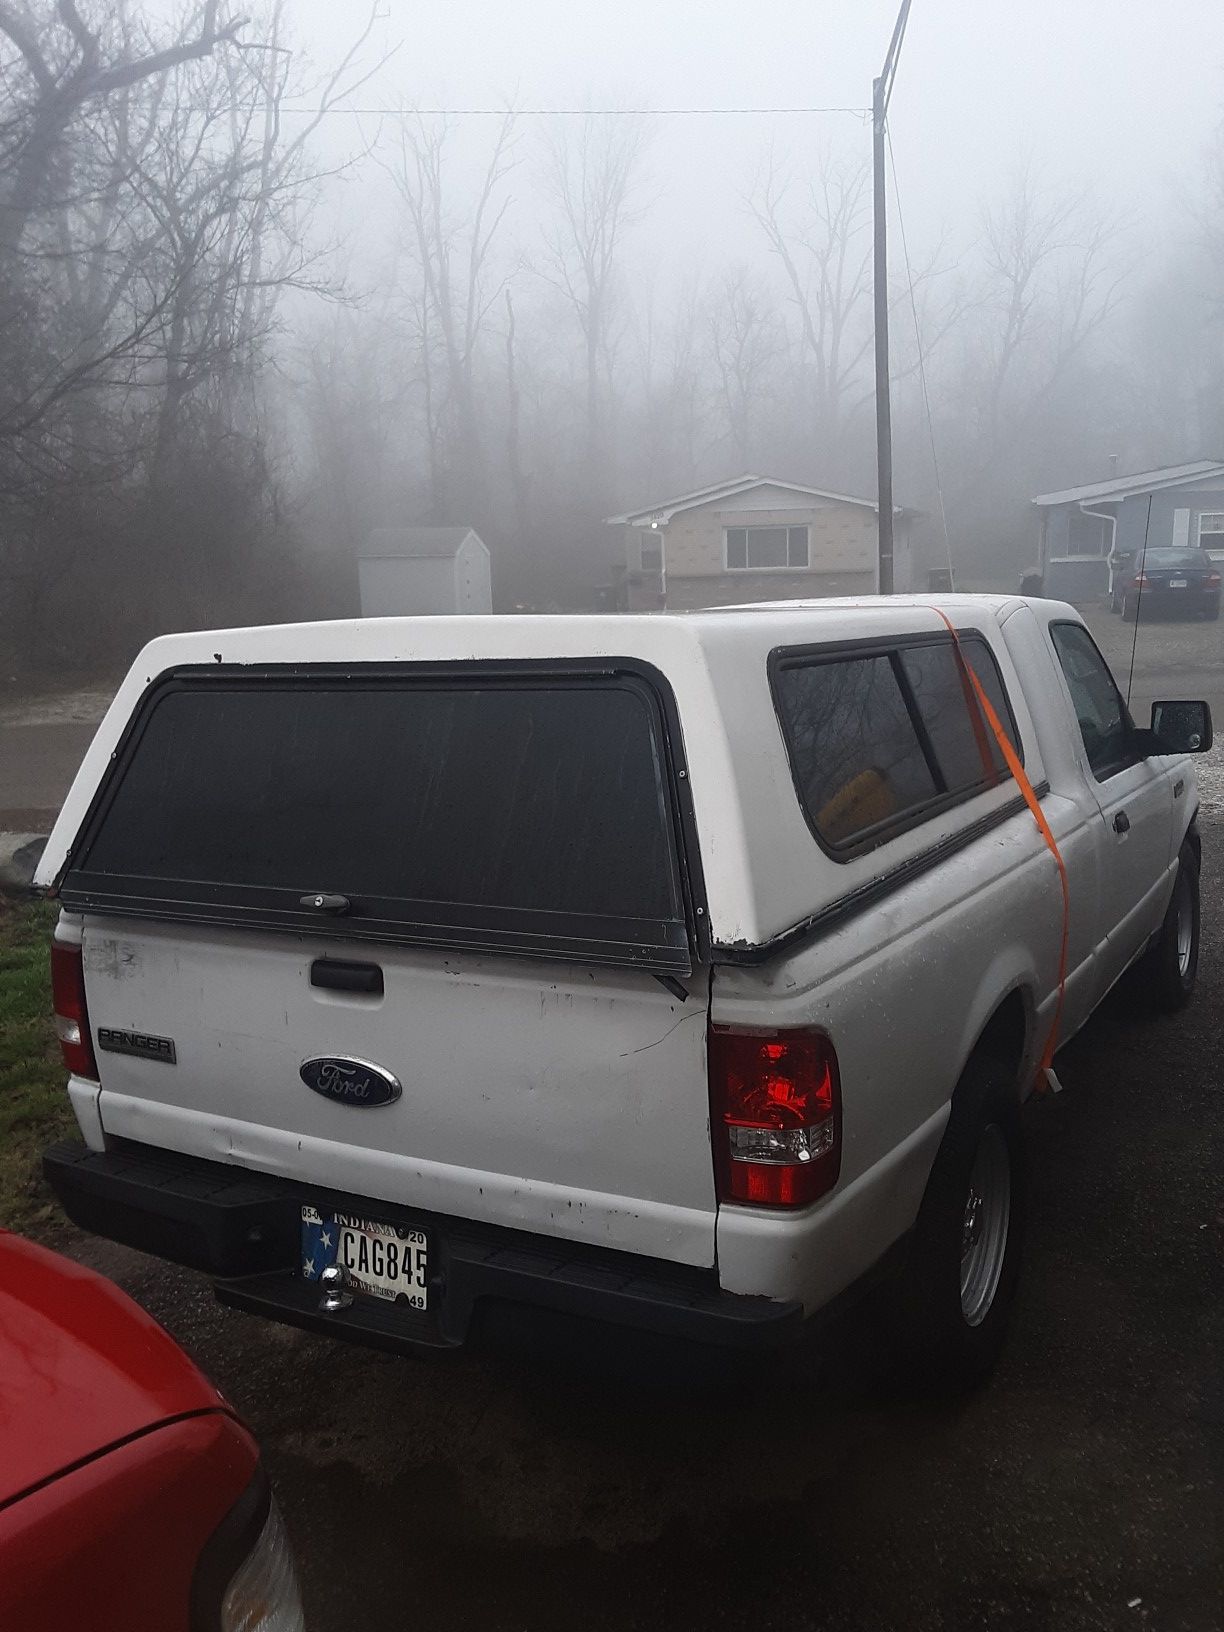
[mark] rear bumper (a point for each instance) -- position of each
(1174, 600)
(243, 1228)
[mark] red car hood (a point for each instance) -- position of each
(81, 1367)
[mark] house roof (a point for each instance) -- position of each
(416, 543)
(665, 509)
(1139, 481)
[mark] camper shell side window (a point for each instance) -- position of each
(883, 735)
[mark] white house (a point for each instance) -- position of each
(754, 539)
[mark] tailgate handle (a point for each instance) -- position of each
(335, 904)
(337, 976)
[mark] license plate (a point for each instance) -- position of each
(1177, 583)
(382, 1260)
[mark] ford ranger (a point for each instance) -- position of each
(680, 971)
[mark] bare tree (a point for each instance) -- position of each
(152, 213)
(59, 64)
(1028, 397)
(520, 484)
(75, 281)
(231, 197)
(823, 246)
(1050, 280)
(592, 175)
(746, 343)
(453, 248)
(820, 235)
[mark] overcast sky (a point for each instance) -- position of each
(1119, 94)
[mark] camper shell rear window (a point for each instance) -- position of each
(529, 808)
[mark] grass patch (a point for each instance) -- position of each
(34, 1106)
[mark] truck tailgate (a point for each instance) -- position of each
(559, 1098)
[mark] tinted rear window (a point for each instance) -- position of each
(504, 812)
(878, 740)
(1166, 560)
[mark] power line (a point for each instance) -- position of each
(922, 373)
(565, 113)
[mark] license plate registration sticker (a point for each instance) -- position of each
(1178, 583)
(382, 1260)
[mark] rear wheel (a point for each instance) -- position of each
(1213, 612)
(964, 1260)
(1169, 968)
(1130, 609)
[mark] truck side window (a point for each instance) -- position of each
(1103, 721)
(878, 741)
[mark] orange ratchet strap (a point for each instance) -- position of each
(1046, 1078)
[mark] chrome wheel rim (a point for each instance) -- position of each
(1185, 927)
(985, 1225)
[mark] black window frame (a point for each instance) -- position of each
(684, 941)
(1132, 754)
(891, 646)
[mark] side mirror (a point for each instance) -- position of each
(1182, 728)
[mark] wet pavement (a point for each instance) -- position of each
(37, 765)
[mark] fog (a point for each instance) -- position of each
(280, 275)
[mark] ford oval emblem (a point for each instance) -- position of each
(350, 1082)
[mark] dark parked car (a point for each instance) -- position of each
(130, 1494)
(1166, 581)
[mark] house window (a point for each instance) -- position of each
(651, 547)
(1211, 530)
(1087, 535)
(766, 549)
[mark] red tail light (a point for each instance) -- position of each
(1140, 581)
(776, 1103)
(71, 1017)
(1213, 580)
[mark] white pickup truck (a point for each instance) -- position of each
(679, 971)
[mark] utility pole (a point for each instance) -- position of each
(880, 92)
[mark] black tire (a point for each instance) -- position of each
(1213, 613)
(1168, 969)
(1130, 610)
(946, 1343)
